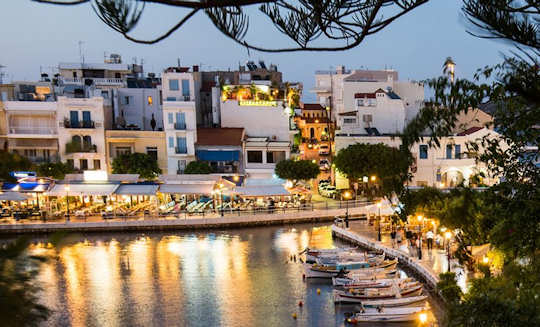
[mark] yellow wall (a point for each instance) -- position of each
(137, 141)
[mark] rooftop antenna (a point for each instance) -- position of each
(81, 55)
(178, 62)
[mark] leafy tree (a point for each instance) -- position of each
(296, 170)
(19, 301)
(198, 167)
(56, 170)
(390, 165)
(10, 162)
(309, 25)
(136, 163)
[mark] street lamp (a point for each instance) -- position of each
(448, 236)
(66, 188)
(379, 206)
(373, 178)
(347, 196)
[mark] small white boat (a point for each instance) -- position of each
(343, 269)
(368, 283)
(313, 254)
(381, 314)
(404, 301)
(378, 294)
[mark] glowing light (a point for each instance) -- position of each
(420, 218)
(236, 178)
(314, 161)
(448, 235)
(316, 121)
(485, 260)
(373, 178)
(443, 229)
(256, 103)
(95, 175)
(422, 317)
(288, 184)
(441, 184)
(66, 188)
(347, 195)
(365, 179)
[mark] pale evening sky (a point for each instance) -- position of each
(416, 45)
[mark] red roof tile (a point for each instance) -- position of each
(220, 136)
(470, 131)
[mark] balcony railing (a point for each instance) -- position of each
(74, 147)
(97, 81)
(179, 98)
(178, 150)
(33, 130)
(180, 126)
(79, 124)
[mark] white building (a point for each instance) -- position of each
(81, 132)
(442, 167)
(136, 108)
(180, 91)
(337, 89)
(32, 130)
(268, 130)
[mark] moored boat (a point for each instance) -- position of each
(368, 283)
(372, 294)
(342, 269)
(313, 254)
(398, 302)
(381, 314)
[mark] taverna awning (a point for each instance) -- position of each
(262, 190)
(13, 196)
(83, 189)
(137, 189)
(186, 188)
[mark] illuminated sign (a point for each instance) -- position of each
(95, 176)
(23, 174)
(257, 103)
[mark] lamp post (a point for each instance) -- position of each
(67, 201)
(347, 196)
(379, 219)
(447, 236)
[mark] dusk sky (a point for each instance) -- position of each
(416, 45)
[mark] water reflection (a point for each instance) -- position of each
(227, 278)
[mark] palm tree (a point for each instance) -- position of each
(448, 68)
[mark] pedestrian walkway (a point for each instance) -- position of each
(435, 261)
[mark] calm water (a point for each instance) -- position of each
(221, 278)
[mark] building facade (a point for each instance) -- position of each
(180, 101)
(81, 132)
(222, 149)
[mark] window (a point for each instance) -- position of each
(185, 88)
(457, 151)
(275, 156)
(152, 152)
(123, 150)
(438, 175)
(125, 100)
(171, 99)
(4, 96)
(70, 163)
(359, 102)
(105, 94)
(87, 141)
(181, 145)
(449, 151)
(171, 142)
(73, 118)
(30, 153)
(74, 74)
(149, 100)
(180, 121)
(160, 97)
(254, 156)
(97, 164)
(349, 120)
(367, 118)
(83, 164)
(170, 118)
(181, 166)
(86, 118)
(423, 151)
(76, 139)
(173, 84)
(117, 75)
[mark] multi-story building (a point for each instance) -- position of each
(222, 149)
(268, 124)
(180, 101)
(81, 132)
(29, 121)
(137, 108)
(337, 90)
(314, 122)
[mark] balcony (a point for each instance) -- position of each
(75, 147)
(32, 130)
(180, 126)
(79, 124)
(178, 150)
(97, 81)
(40, 160)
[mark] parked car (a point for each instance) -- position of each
(324, 164)
(324, 150)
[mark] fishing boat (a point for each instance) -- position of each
(398, 302)
(381, 314)
(368, 283)
(377, 294)
(342, 269)
(350, 256)
(313, 254)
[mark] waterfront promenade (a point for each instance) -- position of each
(96, 224)
(432, 263)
